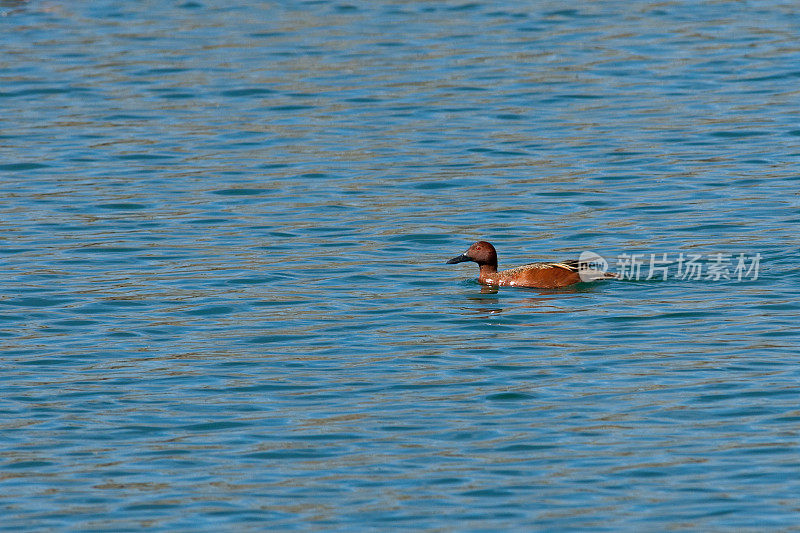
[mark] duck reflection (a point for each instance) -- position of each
(488, 301)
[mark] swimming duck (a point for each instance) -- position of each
(538, 275)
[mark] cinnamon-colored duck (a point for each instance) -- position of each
(538, 275)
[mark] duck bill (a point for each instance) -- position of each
(458, 259)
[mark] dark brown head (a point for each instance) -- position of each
(481, 252)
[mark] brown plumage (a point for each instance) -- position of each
(539, 275)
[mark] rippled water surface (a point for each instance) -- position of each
(223, 298)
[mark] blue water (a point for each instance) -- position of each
(223, 298)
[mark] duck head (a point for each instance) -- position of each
(481, 252)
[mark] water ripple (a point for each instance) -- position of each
(224, 299)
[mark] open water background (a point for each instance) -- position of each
(223, 303)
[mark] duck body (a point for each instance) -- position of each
(536, 275)
(540, 275)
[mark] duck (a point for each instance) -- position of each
(536, 275)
